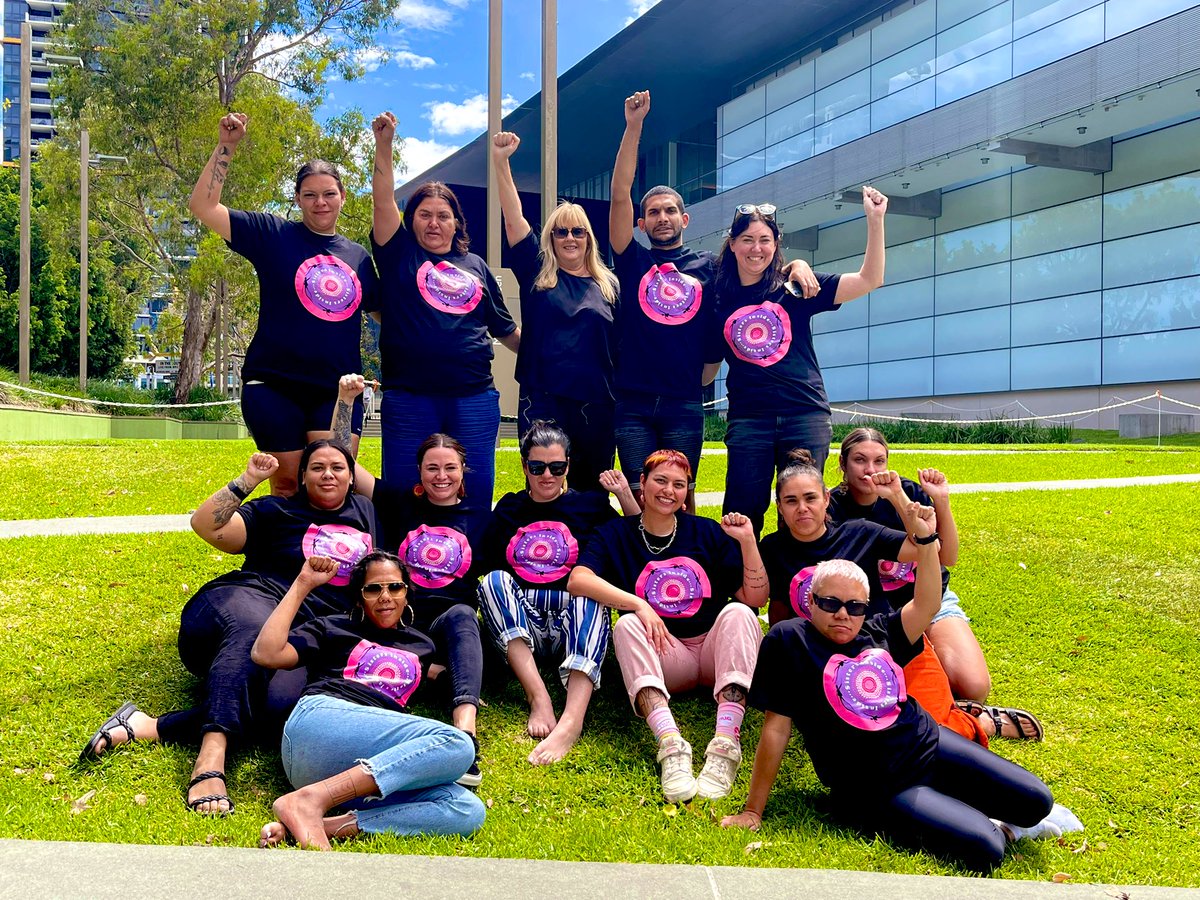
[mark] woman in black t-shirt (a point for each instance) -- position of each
(440, 307)
(887, 764)
(349, 737)
(777, 399)
(219, 623)
(313, 284)
(568, 297)
(676, 573)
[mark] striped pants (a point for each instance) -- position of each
(550, 622)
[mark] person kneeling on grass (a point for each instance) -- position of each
(349, 745)
(888, 765)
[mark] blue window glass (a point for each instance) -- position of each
(743, 142)
(974, 37)
(839, 99)
(743, 110)
(1122, 16)
(1034, 15)
(905, 378)
(1051, 274)
(845, 383)
(794, 118)
(1152, 257)
(845, 317)
(1069, 225)
(795, 149)
(951, 12)
(909, 27)
(790, 86)
(1056, 320)
(1059, 41)
(911, 260)
(971, 373)
(1159, 306)
(844, 59)
(842, 348)
(902, 340)
(742, 171)
(1151, 207)
(975, 246)
(903, 70)
(842, 130)
(981, 329)
(974, 76)
(1169, 355)
(905, 105)
(901, 302)
(1056, 365)
(972, 289)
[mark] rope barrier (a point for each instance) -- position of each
(29, 390)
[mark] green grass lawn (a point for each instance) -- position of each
(1083, 601)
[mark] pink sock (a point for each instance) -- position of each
(662, 723)
(729, 719)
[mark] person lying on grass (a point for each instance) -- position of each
(349, 745)
(888, 765)
(219, 623)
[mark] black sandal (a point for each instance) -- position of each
(101, 742)
(208, 798)
(1027, 724)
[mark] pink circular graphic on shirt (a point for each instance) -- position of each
(328, 288)
(392, 672)
(542, 552)
(800, 592)
(894, 575)
(668, 296)
(447, 288)
(760, 334)
(675, 587)
(344, 544)
(866, 691)
(435, 555)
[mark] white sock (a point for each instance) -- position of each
(1060, 821)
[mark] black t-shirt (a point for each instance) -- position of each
(687, 584)
(437, 312)
(361, 662)
(897, 578)
(281, 533)
(539, 543)
(663, 320)
(865, 736)
(790, 562)
(436, 544)
(567, 335)
(312, 289)
(768, 343)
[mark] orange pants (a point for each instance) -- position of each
(925, 679)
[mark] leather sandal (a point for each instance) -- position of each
(208, 798)
(102, 741)
(1028, 727)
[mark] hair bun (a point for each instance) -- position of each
(802, 456)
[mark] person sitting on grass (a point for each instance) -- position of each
(219, 623)
(888, 765)
(349, 745)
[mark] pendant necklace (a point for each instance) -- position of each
(670, 538)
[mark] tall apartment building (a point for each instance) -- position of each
(42, 15)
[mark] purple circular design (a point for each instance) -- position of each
(866, 691)
(344, 544)
(328, 288)
(760, 334)
(447, 288)
(668, 296)
(894, 575)
(800, 592)
(435, 555)
(675, 587)
(392, 672)
(542, 552)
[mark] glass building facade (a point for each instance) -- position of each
(42, 16)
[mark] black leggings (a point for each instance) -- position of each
(455, 633)
(949, 811)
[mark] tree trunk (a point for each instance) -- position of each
(198, 326)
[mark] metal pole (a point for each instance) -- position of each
(26, 181)
(495, 12)
(85, 153)
(549, 107)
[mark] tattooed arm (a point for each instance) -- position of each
(205, 202)
(349, 387)
(217, 520)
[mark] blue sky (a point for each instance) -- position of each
(430, 68)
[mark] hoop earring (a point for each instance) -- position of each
(358, 611)
(412, 616)
(418, 490)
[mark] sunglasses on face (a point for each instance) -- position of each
(558, 468)
(375, 588)
(578, 232)
(766, 210)
(854, 608)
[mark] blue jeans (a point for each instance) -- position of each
(415, 762)
(474, 420)
(758, 446)
(649, 422)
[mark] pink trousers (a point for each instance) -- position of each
(725, 655)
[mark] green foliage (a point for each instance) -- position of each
(997, 431)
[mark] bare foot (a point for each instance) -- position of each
(304, 818)
(541, 718)
(345, 825)
(207, 788)
(557, 745)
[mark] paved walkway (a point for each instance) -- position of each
(41, 869)
(166, 523)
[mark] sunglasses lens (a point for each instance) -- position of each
(371, 591)
(558, 469)
(396, 587)
(535, 468)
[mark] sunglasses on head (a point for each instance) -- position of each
(766, 210)
(578, 232)
(375, 588)
(854, 608)
(558, 468)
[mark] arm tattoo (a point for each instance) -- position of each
(379, 170)
(341, 422)
(224, 506)
(733, 693)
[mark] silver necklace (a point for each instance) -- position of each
(646, 536)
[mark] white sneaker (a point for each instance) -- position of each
(675, 757)
(722, 757)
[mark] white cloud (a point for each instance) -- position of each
(435, 86)
(428, 15)
(528, 76)
(406, 59)
(639, 8)
(468, 117)
(371, 58)
(418, 155)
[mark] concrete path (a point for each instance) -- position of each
(68, 870)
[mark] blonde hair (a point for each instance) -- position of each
(572, 215)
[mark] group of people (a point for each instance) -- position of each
(359, 590)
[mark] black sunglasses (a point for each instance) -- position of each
(375, 588)
(766, 210)
(578, 232)
(558, 468)
(854, 608)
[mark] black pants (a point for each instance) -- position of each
(455, 633)
(590, 426)
(949, 811)
(217, 628)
